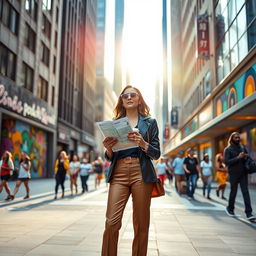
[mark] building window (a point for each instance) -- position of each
(7, 62)
(27, 77)
(47, 5)
(57, 15)
(30, 38)
(45, 54)
(9, 17)
(31, 8)
(46, 27)
(53, 95)
(235, 33)
(56, 39)
(54, 64)
(42, 89)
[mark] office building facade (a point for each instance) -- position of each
(77, 78)
(216, 93)
(29, 78)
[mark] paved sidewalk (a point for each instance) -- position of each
(74, 226)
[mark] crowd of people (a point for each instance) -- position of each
(65, 169)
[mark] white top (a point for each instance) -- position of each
(74, 166)
(23, 173)
(206, 168)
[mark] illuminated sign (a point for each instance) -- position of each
(203, 47)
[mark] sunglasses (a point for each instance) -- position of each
(126, 95)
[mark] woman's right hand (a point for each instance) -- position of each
(109, 142)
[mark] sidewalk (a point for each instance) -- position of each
(74, 226)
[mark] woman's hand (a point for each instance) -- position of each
(108, 143)
(136, 137)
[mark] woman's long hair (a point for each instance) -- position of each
(230, 140)
(119, 110)
(9, 156)
(64, 153)
(27, 158)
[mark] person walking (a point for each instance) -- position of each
(98, 171)
(161, 169)
(191, 168)
(234, 158)
(131, 173)
(179, 172)
(74, 167)
(85, 170)
(24, 175)
(6, 166)
(61, 169)
(206, 174)
(221, 175)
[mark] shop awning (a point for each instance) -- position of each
(231, 120)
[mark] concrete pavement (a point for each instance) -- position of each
(74, 226)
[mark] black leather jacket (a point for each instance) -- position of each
(234, 164)
(149, 130)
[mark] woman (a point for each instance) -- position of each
(74, 168)
(131, 172)
(161, 169)
(98, 171)
(6, 166)
(85, 170)
(61, 169)
(221, 174)
(206, 172)
(24, 174)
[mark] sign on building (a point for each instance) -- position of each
(174, 117)
(203, 47)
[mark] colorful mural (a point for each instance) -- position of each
(20, 137)
(243, 87)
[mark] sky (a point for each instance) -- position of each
(142, 46)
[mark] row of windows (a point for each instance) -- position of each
(9, 16)
(235, 32)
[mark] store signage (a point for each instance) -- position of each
(20, 102)
(203, 49)
(167, 131)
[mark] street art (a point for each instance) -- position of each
(243, 87)
(20, 137)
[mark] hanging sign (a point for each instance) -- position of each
(203, 47)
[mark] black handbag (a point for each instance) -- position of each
(250, 165)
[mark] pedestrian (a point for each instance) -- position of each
(24, 175)
(221, 175)
(234, 158)
(191, 168)
(179, 172)
(6, 166)
(98, 167)
(85, 170)
(131, 173)
(206, 174)
(161, 169)
(169, 171)
(61, 169)
(74, 167)
(106, 171)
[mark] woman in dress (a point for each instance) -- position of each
(61, 169)
(24, 174)
(131, 173)
(221, 174)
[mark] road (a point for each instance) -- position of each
(74, 225)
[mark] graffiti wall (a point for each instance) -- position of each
(18, 137)
(243, 87)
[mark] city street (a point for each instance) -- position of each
(74, 225)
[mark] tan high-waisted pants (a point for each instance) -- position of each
(127, 180)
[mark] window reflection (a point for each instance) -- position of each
(243, 46)
(241, 21)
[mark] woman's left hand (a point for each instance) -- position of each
(136, 137)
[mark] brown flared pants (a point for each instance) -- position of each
(127, 180)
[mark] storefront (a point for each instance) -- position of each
(27, 125)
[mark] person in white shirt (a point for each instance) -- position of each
(206, 172)
(24, 174)
(6, 166)
(74, 168)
